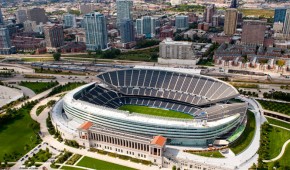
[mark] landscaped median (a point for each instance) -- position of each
(279, 107)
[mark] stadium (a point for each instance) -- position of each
(187, 109)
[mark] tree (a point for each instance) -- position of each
(174, 167)
(56, 56)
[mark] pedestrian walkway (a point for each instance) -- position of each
(281, 153)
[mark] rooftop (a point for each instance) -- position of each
(158, 140)
(86, 125)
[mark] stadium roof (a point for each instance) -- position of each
(158, 140)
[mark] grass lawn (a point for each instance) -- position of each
(70, 168)
(284, 160)
(38, 87)
(277, 138)
(37, 59)
(17, 136)
(246, 137)
(103, 165)
(258, 12)
(283, 108)
(279, 123)
(155, 111)
(214, 154)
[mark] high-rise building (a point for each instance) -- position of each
(181, 22)
(286, 26)
(29, 26)
(231, 18)
(253, 32)
(1, 18)
(170, 49)
(53, 36)
(37, 15)
(95, 26)
(147, 26)
(21, 15)
(234, 4)
(127, 31)
(208, 13)
(5, 42)
(69, 20)
(280, 14)
(124, 10)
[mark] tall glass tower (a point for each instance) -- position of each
(96, 31)
(124, 10)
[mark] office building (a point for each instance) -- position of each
(280, 14)
(286, 26)
(29, 26)
(147, 26)
(21, 15)
(95, 26)
(37, 15)
(124, 10)
(1, 18)
(69, 21)
(253, 32)
(181, 22)
(208, 13)
(5, 42)
(127, 31)
(231, 18)
(170, 49)
(54, 37)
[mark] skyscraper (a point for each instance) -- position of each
(253, 32)
(5, 43)
(37, 14)
(280, 14)
(127, 31)
(21, 15)
(1, 18)
(96, 31)
(53, 36)
(231, 18)
(286, 26)
(147, 26)
(209, 12)
(69, 20)
(181, 22)
(124, 10)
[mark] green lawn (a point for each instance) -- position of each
(284, 160)
(17, 136)
(155, 111)
(246, 137)
(38, 87)
(283, 108)
(102, 165)
(279, 123)
(70, 168)
(277, 138)
(214, 154)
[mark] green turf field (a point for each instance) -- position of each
(102, 165)
(155, 111)
(70, 168)
(246, 137)
(38, 87)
